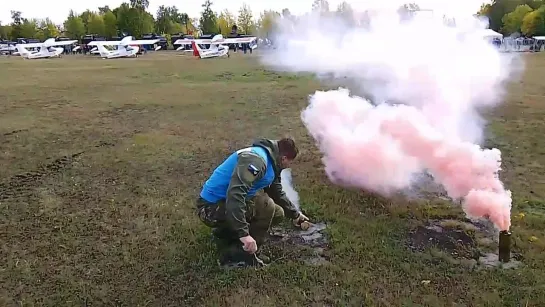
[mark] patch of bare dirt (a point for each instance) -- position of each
(310, 246)
(456, 242)
(21, 185)
(469, 243)
(15, 132)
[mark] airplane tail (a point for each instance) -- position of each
(49, 42)
(126, 40)
(196, 49)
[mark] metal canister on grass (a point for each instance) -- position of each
(504, 246)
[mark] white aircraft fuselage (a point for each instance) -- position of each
(126, 48)
(45, 49)
(215, 51)
(218, 45)
(120, 52)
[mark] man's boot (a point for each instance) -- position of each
(231, 252)
(234, 255)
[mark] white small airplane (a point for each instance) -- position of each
(7, 48)
(127, 47)
(45, 49)
(184, 43)
(217, 44)
(216, 49)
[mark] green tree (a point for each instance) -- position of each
(193, 26)
(513, 21)
(208, 23)
(104, 9)
(225, 21)
(74, 26)
(47, 29)
(499, 8)
(5, 31)
(245, 21)
(534, 4)
(147, 23)
(134, 19)
(85, 16)
(110, 24)
(123, 15)
(29, 28)
(133, 22)
(96, 25)
(223, 25)
(168, 37)
(139, 22)
(162, 19)
(485, 9)
(186, 22)
(16, 24)
(142, 5)
(533, 23)
(174, 27)
(266, 22)
(169, 19)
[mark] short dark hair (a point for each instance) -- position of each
(286, 147)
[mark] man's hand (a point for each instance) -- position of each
(300, 219)
(249, 244)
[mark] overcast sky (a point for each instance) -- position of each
(57, 10)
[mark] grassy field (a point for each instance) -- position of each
(101, 161)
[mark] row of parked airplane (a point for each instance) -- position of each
(219, 46)
(128, 47)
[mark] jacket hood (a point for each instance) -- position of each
(272, 148)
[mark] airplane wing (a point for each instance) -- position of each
(143, 42)
(33, 45)
(238, 40)
(241, 40)
(64, 43)
(102, 43)
(183, 42)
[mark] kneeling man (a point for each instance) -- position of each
(243, 198)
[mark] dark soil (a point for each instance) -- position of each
(455, 242)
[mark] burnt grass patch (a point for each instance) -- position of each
(455, 242)
(310, 246)
(20, 186)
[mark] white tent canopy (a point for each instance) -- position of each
(489, 33)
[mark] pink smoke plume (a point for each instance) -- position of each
(382, 148)
(439, 75)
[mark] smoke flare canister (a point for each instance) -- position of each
(504, 246)
(305, 225)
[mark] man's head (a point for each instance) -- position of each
(288, 151)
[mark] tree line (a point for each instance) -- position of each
(132, 18)
(525, 17)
